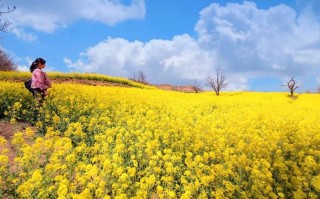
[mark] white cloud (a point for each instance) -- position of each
(163, 60)
(111, 55)
(23, 68)
(237, 83)
(255, 39)
(244, 40)
(309, 56)
(47, 16)
(310, 7)
(20, 33)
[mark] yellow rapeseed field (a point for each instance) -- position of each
(113, 142)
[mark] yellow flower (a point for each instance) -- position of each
(151, 180)
(299, 194)
(3, 141)
(71, 158)
(37, 177)
(186, 195)
(12, 120)
(85, 194)
(123, 177)
(4, 160)
(132, 171)
(56, 119)
(172, 194)
(18, 139)
(25, 189)
(315, 182)
(63, 189)
(29, 132)
(39, 124)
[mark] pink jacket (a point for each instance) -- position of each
(40, 80)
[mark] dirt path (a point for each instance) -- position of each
(86, 82)
(7, 131)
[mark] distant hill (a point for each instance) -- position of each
(78, 78)
(91, 79)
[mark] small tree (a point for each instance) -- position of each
(292, 85)
(196, 86)
(5, 24)
(6, 63)
(139, 77)
(217, 81)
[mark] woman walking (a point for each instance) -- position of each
(40, 81)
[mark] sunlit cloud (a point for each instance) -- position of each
(244, 40)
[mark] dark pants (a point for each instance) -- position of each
(39, 95)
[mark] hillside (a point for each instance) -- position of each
(91, 79)
(81, 78)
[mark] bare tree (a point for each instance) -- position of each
(140, 77)
(196, 86)
(217, 81)
(292, 85)
(5, 24)
(6, 63)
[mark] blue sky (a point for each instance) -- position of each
(260, 44)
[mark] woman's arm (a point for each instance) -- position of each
(39, 79)
(47, 81)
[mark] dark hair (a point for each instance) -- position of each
(35, 64)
